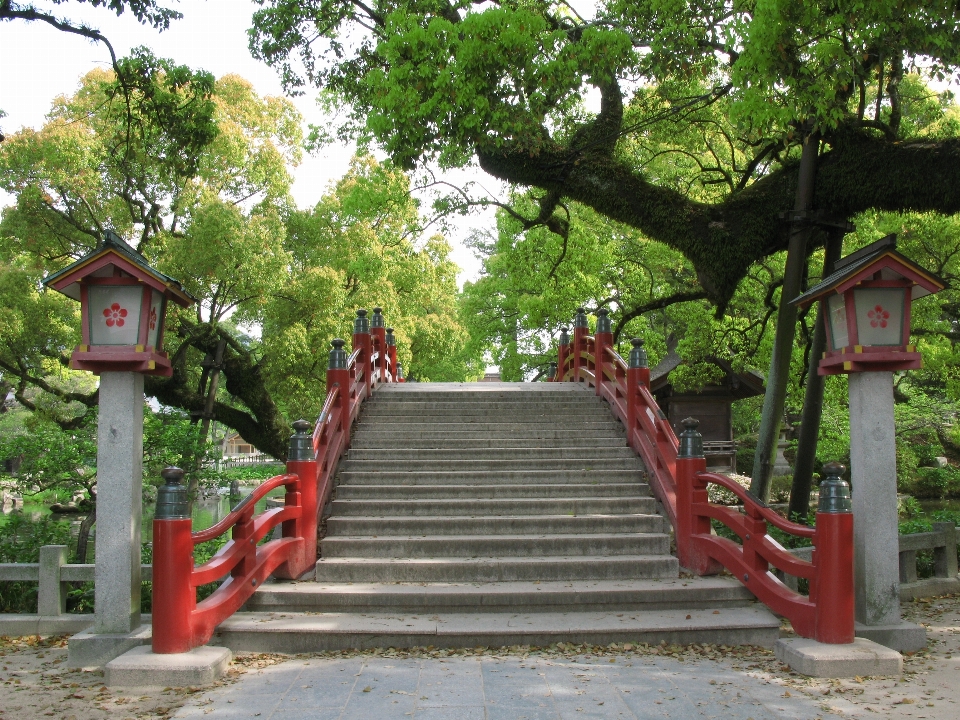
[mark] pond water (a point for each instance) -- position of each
(931, 505)
(208, 510)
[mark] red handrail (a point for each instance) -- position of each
(680, 482)
(180, 623)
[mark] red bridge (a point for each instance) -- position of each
(494, 514)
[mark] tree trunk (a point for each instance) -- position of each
(193, 485)
(813, 399)
(83, 535)
(779, 373)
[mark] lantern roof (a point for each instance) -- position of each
(113, 253)
(880, 256)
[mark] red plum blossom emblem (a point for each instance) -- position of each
(878, 317)
(115, 315)
(153, 318)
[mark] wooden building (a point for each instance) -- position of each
(712, 406)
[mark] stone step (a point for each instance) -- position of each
(493, 547)
(484, 424)
(379, 407)
(498, 525)
(491, 453)
(495, 477)
(468, 464)
(454, 441)
(494, 506)
(501, 569)
(380, 439)
(501, 492)
(501, 597)
(293, 633)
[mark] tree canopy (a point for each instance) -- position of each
(195, 174)
(505, 84)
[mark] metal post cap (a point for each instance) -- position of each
(377, 319)
(834, 492)
(603, 322)
(399, 371)
(301, 442)
(691, 441)
(361, 324)
(338, 356)
(172, 501)
(638, 355)
(552, 369)
(564, 336)
(580, 319)
(391, 340)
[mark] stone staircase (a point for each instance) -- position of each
(493, 514)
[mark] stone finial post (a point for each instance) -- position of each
(391, 341)
(580, 331)
(690, 461)
(174, 597)
(602, 340)
(563, 351)
(338, 376)
(638, 374)
(833, 587)
(362, 342)
(378, 337)
(301, 461)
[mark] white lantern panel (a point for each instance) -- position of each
(880, 315)
(114, 314)
(837, 318)
(155, 318)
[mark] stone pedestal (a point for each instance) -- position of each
(119, 480)
(873, 480)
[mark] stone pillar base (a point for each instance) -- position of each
(860, 658)
(140, 667)
(94, 650)
(903, 636)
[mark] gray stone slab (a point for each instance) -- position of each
(141, 667)
(901, 636)
(861, 657)
(89, 649)
(119, 481)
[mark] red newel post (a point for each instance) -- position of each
(563, 352)
(301, 461)
(833, 555)
(391, 342)
(602, 339)
(580, 331)
(690, 461)
(361, 342)
(339, 376)
(637, 374)
(378, 333)
(174, 598)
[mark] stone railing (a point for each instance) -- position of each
(942, 541)
(54, 576)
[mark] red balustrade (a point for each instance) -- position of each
(679, 479)
(180, 623)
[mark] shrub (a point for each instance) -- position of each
(780, 486)
(934, 483)
(252, 472)
(20, 540)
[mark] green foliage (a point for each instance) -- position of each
(53, 458)
(933, 483)
(248, 473)
(21, 538)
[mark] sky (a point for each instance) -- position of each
(38, 63)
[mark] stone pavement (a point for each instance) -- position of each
(509, 687)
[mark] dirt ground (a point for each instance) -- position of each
(34, 683)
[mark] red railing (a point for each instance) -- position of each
(679, 479)
(180, 623)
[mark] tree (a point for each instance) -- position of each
(504, 83)
(205, 198)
